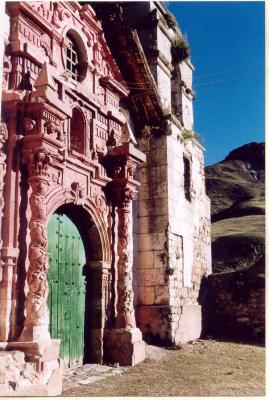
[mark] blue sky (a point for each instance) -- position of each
(227, 50)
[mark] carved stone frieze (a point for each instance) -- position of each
(45, 9)
(53, 12)
(23, 30)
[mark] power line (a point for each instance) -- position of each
(137, 85)
(145, 88)
(228, 70)
(224, 80)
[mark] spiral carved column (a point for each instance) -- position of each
(125, 306)
(124, 342)
(37, 315)
(3, 138)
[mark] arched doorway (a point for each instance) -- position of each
(92, 267)
(67, 287)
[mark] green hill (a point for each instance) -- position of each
(236, 187)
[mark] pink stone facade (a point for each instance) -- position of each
(72, 136)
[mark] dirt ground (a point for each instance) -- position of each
(200, 368)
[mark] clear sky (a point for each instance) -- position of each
(228, 52)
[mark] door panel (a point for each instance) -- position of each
(66, 299)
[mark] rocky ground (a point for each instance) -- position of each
(200, 368)
(236, 187)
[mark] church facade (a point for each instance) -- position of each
(104, 219)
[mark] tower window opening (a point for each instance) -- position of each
(187, 178)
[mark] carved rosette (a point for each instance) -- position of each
(125, 306)
(3, 138)
(37, 313)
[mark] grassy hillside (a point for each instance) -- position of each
(237, 191)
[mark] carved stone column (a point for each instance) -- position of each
(123, 341)
(3, 138)
(125, 306)
(37, 315)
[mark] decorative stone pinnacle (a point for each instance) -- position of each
(44, 80)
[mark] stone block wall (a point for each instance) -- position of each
(234, 305)
(149, 232)
(173, 237)
(189, 236)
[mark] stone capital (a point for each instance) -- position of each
(121, 162)
(122, 197)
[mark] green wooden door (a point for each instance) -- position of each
(66, 300)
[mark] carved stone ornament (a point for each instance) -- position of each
(38, 165)
(111, 141)
(59, 14)
(125, 197)
(78, 192)
(7, 67)
(99, 199)
(54, 127)
(3, 133)
(29, 125)
(130, 169)
(116, 171)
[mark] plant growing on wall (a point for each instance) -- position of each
(170, 20)
(187, 134)
(190, 134)
(180, 49)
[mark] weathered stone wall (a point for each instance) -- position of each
(189, 237)
(234, 305)
(173, 234)
(173, 227)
